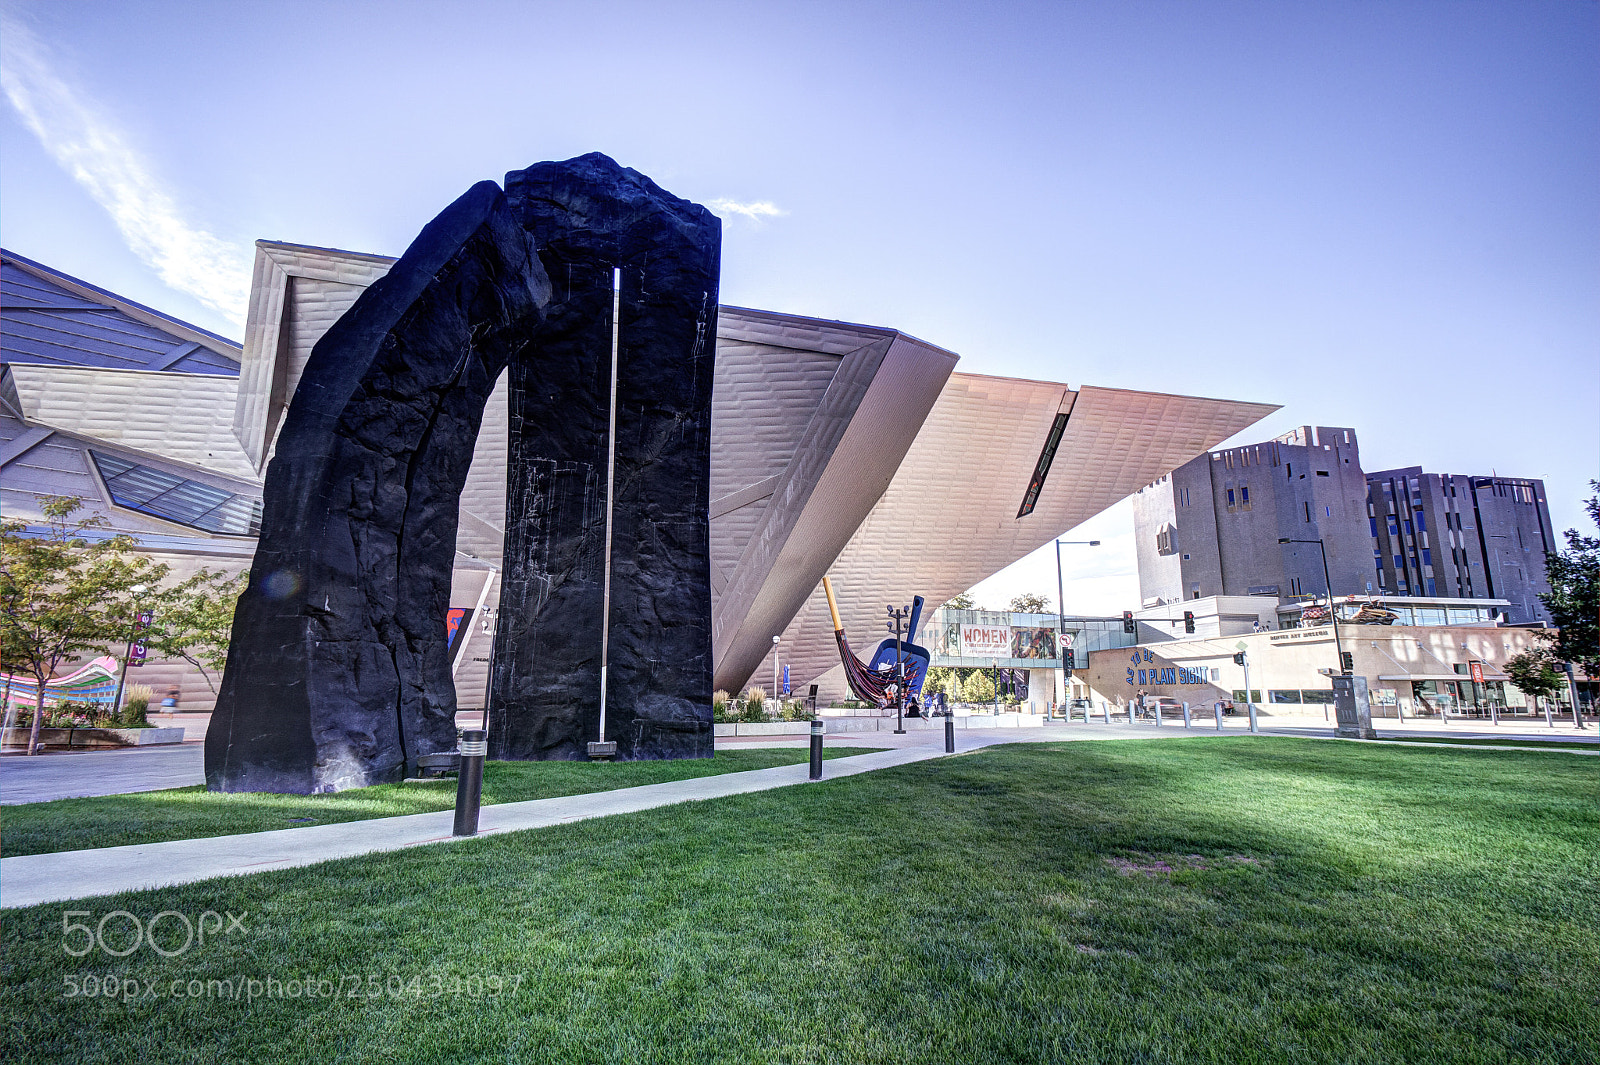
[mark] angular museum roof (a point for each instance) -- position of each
(850, 450)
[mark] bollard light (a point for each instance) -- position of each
(1185, 715)
(474, 748)
(816, 749)
(950, 734)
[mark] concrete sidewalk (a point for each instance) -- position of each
(27, 880)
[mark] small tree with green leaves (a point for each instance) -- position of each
(1536, 672)
(940, 679)
(1574, 596)
(1031, 603)
(193, 621)
(978, 687)
(964, 601)
(62, 594)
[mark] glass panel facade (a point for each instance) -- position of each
(177, 499)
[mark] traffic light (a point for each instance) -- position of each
(1347, 660)
(1127, 621)
(1188, 621)
(1238, 659)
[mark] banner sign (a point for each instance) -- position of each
(1477, 672)
(452, 624)
(787, 690)
(985, 641)
(136, 649)
(1033, 642)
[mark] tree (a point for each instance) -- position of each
(964, 601)
(193, 621)
(978, 687)
(1537, 670)
(1574, 596)
(63, 595)
(1031, 603)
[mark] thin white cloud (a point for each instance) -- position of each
(88, 146)
(754, 211)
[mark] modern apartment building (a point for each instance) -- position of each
(1462, 536)
(1212, 526)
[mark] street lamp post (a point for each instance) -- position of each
(775, 669)
(1333, 613)
(895, 625)
(138, 591)
(1061, 622)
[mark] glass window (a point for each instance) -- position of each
(177, 499)
(1374, 523)
(1427, 615)
(1292, 696)
(1230, 497)
(1323, 698)
(1244, 493)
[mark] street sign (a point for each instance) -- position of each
(1065, 640)
(1477, 672)
(1241, 645)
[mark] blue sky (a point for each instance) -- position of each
(1380, 215)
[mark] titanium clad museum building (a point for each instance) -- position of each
(852, 451)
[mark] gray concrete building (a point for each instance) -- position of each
(1212, 526)
(1461, 536)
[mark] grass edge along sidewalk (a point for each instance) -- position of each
(33, 879)
(163, 814)
(1252, 900)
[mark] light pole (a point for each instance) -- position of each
(1061, 623)
(1333, 613)
(775, 669)
(138, 590)
(898, 621)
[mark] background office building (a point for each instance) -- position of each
(1212, 526)
(1461, 536)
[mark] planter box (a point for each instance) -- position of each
(855, 724)
(95, 737)
(773, 728)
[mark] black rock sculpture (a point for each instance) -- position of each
(591, 218)
(337, 674)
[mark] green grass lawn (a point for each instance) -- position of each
(1241, 899)
(1495, 741)
(192, 813)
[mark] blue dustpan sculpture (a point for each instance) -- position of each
(915, 657)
